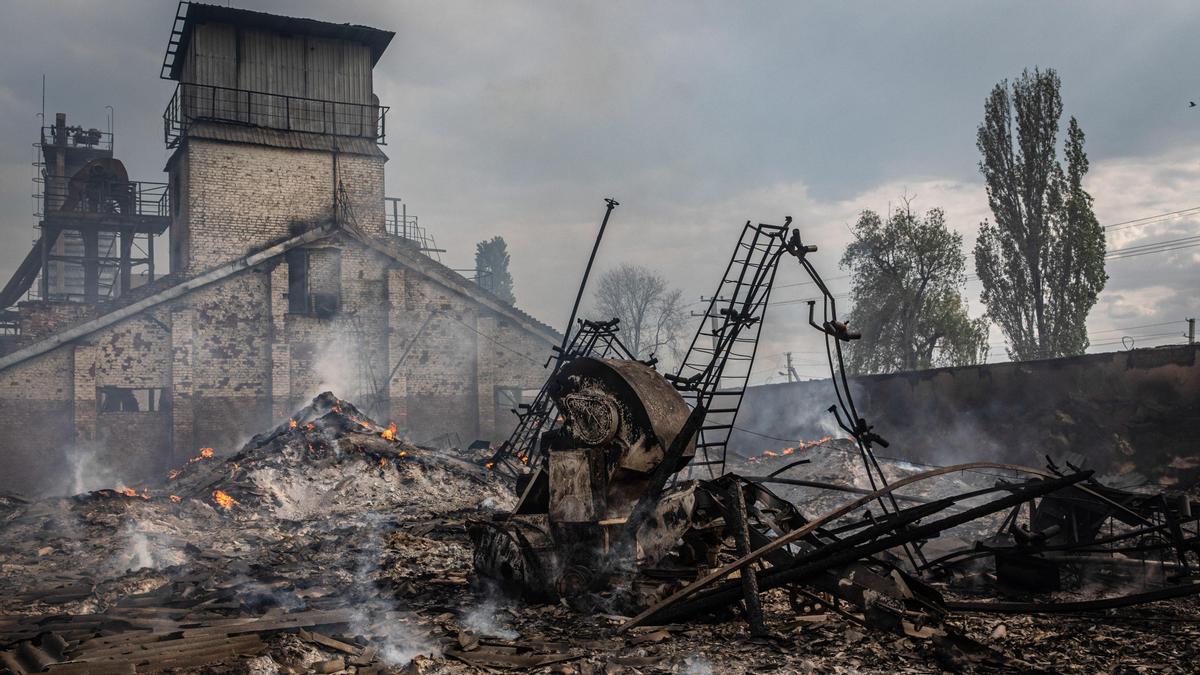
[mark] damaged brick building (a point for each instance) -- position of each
(286, 273)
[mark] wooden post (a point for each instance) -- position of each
(741, 534)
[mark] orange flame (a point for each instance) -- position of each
(389, 434)
(176, 498)
(489, 465)
(205, 453)
(382, 462)
(128, 492)
(223, 499)
(803, 445)
(292, 424)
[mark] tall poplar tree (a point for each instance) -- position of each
(1041, 262)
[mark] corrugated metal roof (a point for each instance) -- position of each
(373, 38)
(276, 138)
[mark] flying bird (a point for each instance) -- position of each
(1191, 104)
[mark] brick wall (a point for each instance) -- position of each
(42, 318)
(239, 197)
(49, 420)
(36, 421)
(234, 360)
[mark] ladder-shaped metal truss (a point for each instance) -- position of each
(175, 40)
(594, 338)
(716, 369)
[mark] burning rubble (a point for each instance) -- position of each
(287, 553)
(610, 533)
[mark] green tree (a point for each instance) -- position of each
(491, 269)
(908, 272)
(1042, 262)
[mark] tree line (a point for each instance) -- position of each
(1040, 262)
(1040, 259)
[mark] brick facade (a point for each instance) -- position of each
(342, 307)
(234, 358)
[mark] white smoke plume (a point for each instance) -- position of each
(483, 620)
(374, 616)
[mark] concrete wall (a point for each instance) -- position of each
(1134, 411)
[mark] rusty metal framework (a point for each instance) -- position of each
(597, 517)
(598, 339)
(95, 228)
(716, 368)
(398, 222)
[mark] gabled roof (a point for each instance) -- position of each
(395, 250)
(410, 257)
(377, 40)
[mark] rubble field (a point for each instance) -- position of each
(330, 545)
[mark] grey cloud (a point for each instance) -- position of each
(516, 118)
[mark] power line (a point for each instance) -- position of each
(1153, 247)
(1144, 325)
(1106, 342)
(810, 283)
(492, 339)
(1148, 220)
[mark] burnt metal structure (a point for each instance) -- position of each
(597, 339)
(96, 227)
(598, 525)
(716, 368)
(1085, 526)
(591, 338)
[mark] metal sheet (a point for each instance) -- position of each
(212, 55)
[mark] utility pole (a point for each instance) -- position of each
(1191, 331)
(791, 374)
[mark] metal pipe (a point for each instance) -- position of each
(612, 203)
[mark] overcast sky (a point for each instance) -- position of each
(517, 118)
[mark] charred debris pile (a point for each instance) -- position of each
(610, 533)
(310, 550)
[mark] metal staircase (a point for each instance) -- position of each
(716, 369)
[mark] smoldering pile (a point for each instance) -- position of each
(288, 554)
(328, 458)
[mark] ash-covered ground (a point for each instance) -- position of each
(325, 545)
